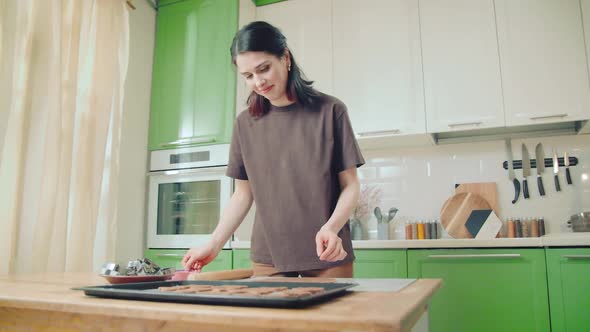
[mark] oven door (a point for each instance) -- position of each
(185, 206)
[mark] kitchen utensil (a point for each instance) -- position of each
(222, 275)
(456, 211)
(378, 214)
(580, 222)
(540, 158)
(391, 214)
(487, 190)
(383, 231)
(109, 268)
(483, 224)
(511, 176)
(566, 162)
(556, 171)
(526, 171)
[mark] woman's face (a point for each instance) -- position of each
(266, 75)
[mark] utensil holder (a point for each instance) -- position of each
(383, 231)
(356, 229)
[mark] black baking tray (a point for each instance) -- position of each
(148, 291)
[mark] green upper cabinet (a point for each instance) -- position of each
(194, 81)
(380, 263)
(485, 290)
(568, 272)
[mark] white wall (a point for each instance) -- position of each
(134, 135)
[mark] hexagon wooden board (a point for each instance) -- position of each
(457, 209)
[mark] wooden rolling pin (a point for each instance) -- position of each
(221, 275)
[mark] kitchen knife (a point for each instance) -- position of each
(566, 162)
(526, 170)
(556, 171)
(540, 157)
(511, 170)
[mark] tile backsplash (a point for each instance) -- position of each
(418, 180)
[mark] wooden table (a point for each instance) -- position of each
(46, 302)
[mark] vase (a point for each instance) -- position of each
(356, 229)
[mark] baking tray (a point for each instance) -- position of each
(148, 291)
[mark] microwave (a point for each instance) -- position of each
(187, 193)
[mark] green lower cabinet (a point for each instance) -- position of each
(167, 2)
(369, 263)
(568, 274)
(486, 289)
(173, 258)
(242, 259)
(380, 263)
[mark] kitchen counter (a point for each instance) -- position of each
(549, 240)
(47, 302)
(566, 240)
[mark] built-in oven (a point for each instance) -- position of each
(188, 190)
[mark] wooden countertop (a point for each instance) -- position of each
(47, 300)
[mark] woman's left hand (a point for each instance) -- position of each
(329, 246)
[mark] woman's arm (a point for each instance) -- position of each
(328, 244)
(234, 213)
(232, 216)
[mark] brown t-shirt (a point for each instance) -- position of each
(291, 157)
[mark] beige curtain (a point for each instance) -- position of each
(63, 65)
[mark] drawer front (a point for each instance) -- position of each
(569, 288)
(380, 263)
(241, 259)
(485, 289)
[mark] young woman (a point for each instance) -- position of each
(294, 153)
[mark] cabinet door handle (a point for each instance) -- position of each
(476, 256)
(190, 140)
(563, 115)
(378, 133)
(576, 256)
(170, 255)
(460, 124)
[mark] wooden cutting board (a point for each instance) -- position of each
(222, 275)
(457, 209)
(487, 190)
(302, 279)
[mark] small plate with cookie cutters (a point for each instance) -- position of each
(141, 270)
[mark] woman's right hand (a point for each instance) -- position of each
(196, 258)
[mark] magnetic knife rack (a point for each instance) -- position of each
(517, 164)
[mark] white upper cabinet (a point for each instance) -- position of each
(378, 67)
(461, 67)
(543, 61)
(307, 24)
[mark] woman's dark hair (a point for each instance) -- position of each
(261, 36)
